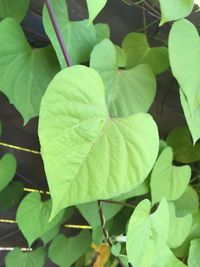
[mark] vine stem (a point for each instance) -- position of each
(58, 33)
(105, 232)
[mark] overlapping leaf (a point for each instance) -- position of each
(138, 51)
(167, 180)
(175, 9)
(183, 149)
(89, 152)
(25, 72)
(194, 256)
(33, 217)
(8, 166)
(11, 195)
(127, 91)
(79, 36)
(17, 258)
(179, 227)
(183, 50)
(65, 251)
(15, 9)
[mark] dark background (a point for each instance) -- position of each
(166, 109)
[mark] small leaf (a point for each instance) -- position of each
(17, 258)
(194, 256)
(102, 31)
(25, 72)
(33, 217)
(175, 9)
(127, 91)
(94, 8)
(183, 50)
(138, 51)
(168, 180)
(147, 233)
(8, 166)
(65, 251)
(116, 249)
(79, 36)
(92, 151)
(50, 235)
(15, 9)
(11, 195)
(183, 148)
(179, 227)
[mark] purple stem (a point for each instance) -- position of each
(58, 34)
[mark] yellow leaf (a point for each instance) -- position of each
(103, 254)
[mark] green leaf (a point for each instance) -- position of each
(168, 180)
(194, 256)
(90, 212)
(102, 31)
(187, 203)
(176, 9)
(79, 36)
(8, 166)
(94, 8)
(183, 148)
(17, 258)
(183, 50)
(127, 91)
(92, 151)
(11, 195)
(147, 233)
(33, 217)
(15, 9)
(193, 120)
(65, 251)
(179, 227)
(121, 57)
(53, 232)
(116, 249)
(25, 72)
(138, 51)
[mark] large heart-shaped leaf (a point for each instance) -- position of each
(15, 9)
(25, 72)
(8, 166)
(179, 227)
(33, 217)
(194, 256)
(92, 155)
(94, 7)
(183, 149)
(175, 9)
(138, 51)
(79, 36)
(11, 196)
(65, 251)
(17, 258)
(147, 235)
(183, 50)
(167, 180)
(127, 91)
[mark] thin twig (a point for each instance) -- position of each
(58, 33)
(105, 232)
